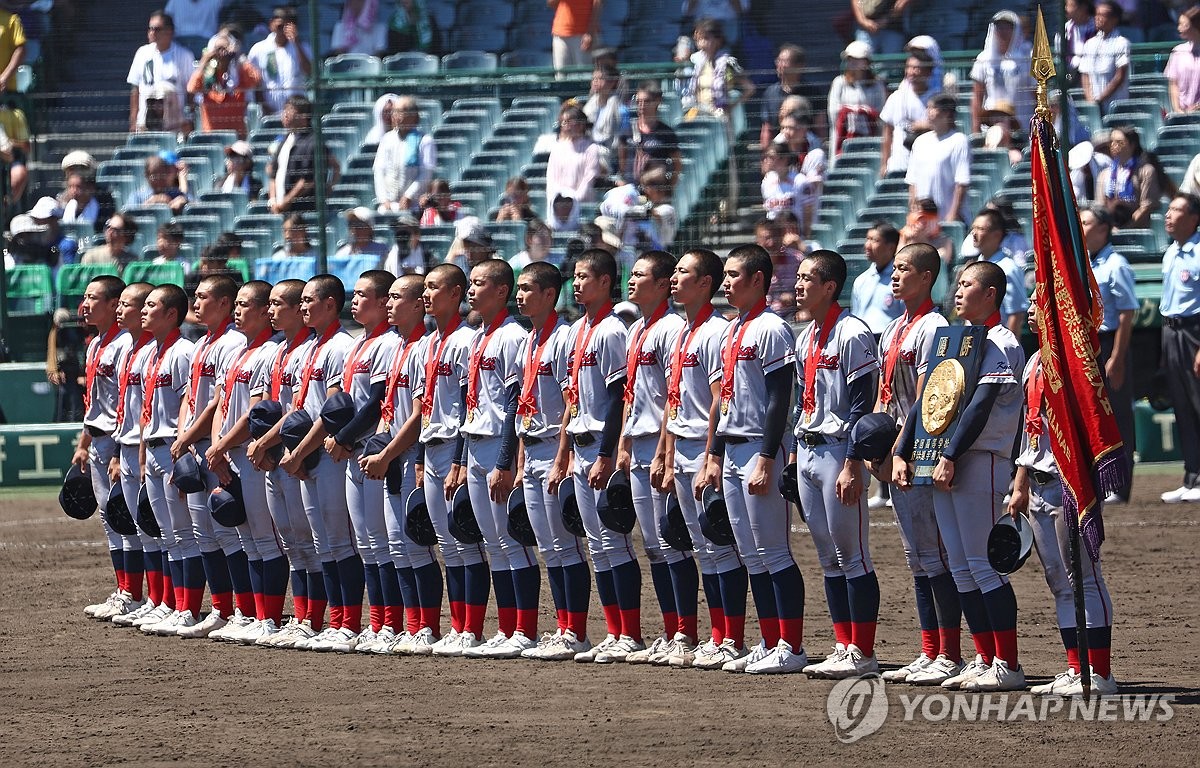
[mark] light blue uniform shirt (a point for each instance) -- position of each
(1016, 298)
(871, 299)
(1181, 279)
(1114, 277)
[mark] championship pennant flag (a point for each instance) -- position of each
(1082, 429)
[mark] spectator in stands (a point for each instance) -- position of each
(946, 82)
(1014, 242)
(161, 187)
(1003, 132)
(239, 170)
(574, 162)
(643, 214)
(871, 297)
(81, 205)
(66, 365)
(383, 117)
(472, 245)
(168, 241)
(409, 28)
(18, 175)
(359, 30)
(12, 49)
(1104, 64)
(1001, 71)
(539, 241)
(576, 28)
(295, 239)
(195, 18)
(361, 222)
(989, 231)
(515, 204)
(651, 139)
(717, 83)
(727, 13)
(291, 187)
(119, 234)
(768, 234)
(880, 23)
(776, 187)
(940, 165)
(789, 225)
(159, 76)
(608, 114)
(47, 214)
(808, 162)
(284, 62)
(855, 97)
(407, 256)
(904, 115)
(405, 161)
(81, 163)
(224, 80)
(1132, 187)
(437, 207)
(924, 225)
(564, 215)
(1183, 68)
(1078, 29)
(789, 68)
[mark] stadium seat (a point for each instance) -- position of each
(352, 65)
(29, 289)
(240, 265)
(155, 274)
(525, 58)
(153, 141)
(276, 268)
(348, 268)
(410, 63)
(472, 61)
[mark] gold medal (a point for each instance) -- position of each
(725, 406)
(674, 412)
(470, 416)
(527, 421)
(1033, 442)
(574, 410)
(425, 422)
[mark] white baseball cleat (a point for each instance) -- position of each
(680, 644)
(383, 640)
(620, 650)
(448, 641)
(167, 622)
(211, 623)
(90, 610)
(935, 672)
(588, 655)
(969, 671)
(782, 660)
(123, 602)
(1055, 687)
(819, 669)
(229, 631)
(1181, 495)
(512, 647)
(484, 650)
(757, 653)
(258, 630)
(683, 655)
(318, 639)
(344, 641)
(1101, 686)
(366, 637)
(852, 664)
(645, 655)
(718, 655)
(156, 614)
(422, 643)
(547, 640)
(127, 619)
(1000, 677)
(900, 675)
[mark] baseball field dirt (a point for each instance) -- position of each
(75, 692)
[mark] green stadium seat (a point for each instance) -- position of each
(155, 274)
(72, 280)
(29, 289)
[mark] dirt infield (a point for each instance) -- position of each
(77, 692)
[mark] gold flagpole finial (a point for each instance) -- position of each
(1042, 66)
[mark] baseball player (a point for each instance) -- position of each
(284, 501)
(125, 466)
(165, 387)
(96, 448)
(227, 456)
(323, 488)
(692, 406)
(651, 339)
(969, 481)
(443, 412)
(988, 231)
(1037, 489)
(364, 378)
(539, 423)
(745, 460)
(587, 448)
(836, 369)
(904, 352)
(226, 562)
(493, 388)
(416, 566)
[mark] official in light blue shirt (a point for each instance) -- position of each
(988, 232)
(1114, 277)
(871, 298)
(1181, 279)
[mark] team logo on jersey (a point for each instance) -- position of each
(106, 369)
(318, 374)
(544, 369)
(690, 360)
(287, 380)
(403, 381)
(163, 380)
(487, 364)
(208, 371)
(243, 376)
(827, 362)
(361, 367)
(748, 353)
(908, 357)
(135, 379)
(589, 360)
(444, 369)
(647, 358)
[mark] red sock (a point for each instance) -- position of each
(376, 617)
(393, 616)
(985, 646)
(272, 609)
(222, 602)
(688, 625)
(560, 614)
(577, 623)
(316, 613)
(194, 599)
(929, 642)
(352, 618)
(864, 637)
(412, 620)
(474, 619)
(300, 607)
(717, 617)
(432, 618)
(631, 623)
(336, 612)
(1073, 658)
(246, 603)
(168, 590)
(507, 619)
(133, 585)
(1006, 646)
(951, 638)
(670, 623)
(527, 622)
(260, 607)
(735, 629)
(1101, 661)
(457, 613)
(770, 631)
(843, 632)
(154, 584)
(791, 631)
(612, 619)
(180, 599)
(122, 579)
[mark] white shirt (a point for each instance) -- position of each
(912, 361)
(448, 412)
(937, 165)
(603, 362)
(129, 431)
(1036, 454)
(902, 109)
(499, 368)
(280, 69)
(700, 366)
(394, 177)
(1002, 358)
(650, 379)
(169, 388)
(373, 359)
(102, 408)
(553, 376)
(73, 214)
(253, 375)
(847, 355)
(871, 298)
(409, 384)
(766, 346)
(215, 356)
(159, 75)
(327, 364)
(1103, 55)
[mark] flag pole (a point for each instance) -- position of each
(1043, 70)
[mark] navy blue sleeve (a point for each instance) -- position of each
(779, 395)
(862, 400)
(908, 436)
(508, 435)
(460, 450)
(614, 419)
(365, 419)
(973, 420)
